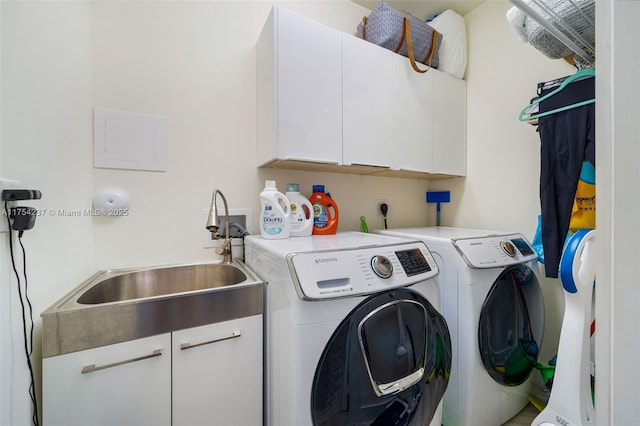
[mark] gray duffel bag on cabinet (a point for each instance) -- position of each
(402, 33)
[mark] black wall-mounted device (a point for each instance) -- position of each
(20, 194)
(22, 218)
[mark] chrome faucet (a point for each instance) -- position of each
(213, 225)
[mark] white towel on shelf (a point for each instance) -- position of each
(579, 15)
(453, 48)
(517, 19)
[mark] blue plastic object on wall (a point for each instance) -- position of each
(438, 197)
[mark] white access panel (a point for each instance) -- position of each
(127, 140)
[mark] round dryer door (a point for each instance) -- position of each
(387, 363)
(511, 325)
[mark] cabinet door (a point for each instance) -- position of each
(309, 89)
(413, 121)
(125, 383)
(450, 125)
(217, 374)
(367, 134)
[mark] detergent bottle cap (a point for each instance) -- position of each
(318, 188)
(269, 184)
(293, 187)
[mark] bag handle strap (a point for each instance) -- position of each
(364, 27)
(428, 59)
(406, 32)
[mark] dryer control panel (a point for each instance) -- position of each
(354, 272)
(495, 251)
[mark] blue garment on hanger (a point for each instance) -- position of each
(567, 140)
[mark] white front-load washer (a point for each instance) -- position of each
(493, 305)
(353, 335)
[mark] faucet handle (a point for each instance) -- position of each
(224, 250)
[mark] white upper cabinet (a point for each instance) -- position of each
(330, 101)
(299, 90)
(450, 125)
(367, 95)
(429, 121)
(412, 118)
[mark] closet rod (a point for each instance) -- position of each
(520, 4)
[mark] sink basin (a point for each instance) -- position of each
(162, 281)
(114, 306)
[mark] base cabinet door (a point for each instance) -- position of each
(121, 384)
(217, 374)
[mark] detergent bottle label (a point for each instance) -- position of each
(272, 223)
(298, 217)
(320, 218)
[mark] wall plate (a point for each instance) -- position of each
(242, 216)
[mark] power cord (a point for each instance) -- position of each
(384, 208)
(28, 343)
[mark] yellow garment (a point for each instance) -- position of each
(583, 214)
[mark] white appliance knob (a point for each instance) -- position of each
(382, 266)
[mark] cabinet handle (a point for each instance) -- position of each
(186, 345)
(92, 367)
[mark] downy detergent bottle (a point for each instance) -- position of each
(274, 213)
(325, 212)
(300, 212)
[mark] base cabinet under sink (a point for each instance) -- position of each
(217, 374)
(209, 375)
(113, 391)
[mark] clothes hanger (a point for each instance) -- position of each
(577, 76)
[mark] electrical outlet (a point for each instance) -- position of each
(240, 216)
(378, 203)
(6, 184)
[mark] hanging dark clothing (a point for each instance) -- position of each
(567, 140)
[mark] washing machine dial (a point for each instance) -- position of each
(508, 248)
(382, 266)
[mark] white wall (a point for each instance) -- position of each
(5, 319)
(617, 152)
(195, 64)
(501, 190)
(46, 145)
(192, 62)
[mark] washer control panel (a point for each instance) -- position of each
(495, 251)
(366, 270)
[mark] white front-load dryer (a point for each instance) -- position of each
(352, 336)
(493, 305)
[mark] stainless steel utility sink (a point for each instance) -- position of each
(119, 305)
(162, 281)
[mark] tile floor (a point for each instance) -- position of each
(524, 417)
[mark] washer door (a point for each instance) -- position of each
(511, 325)
(387, 363)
